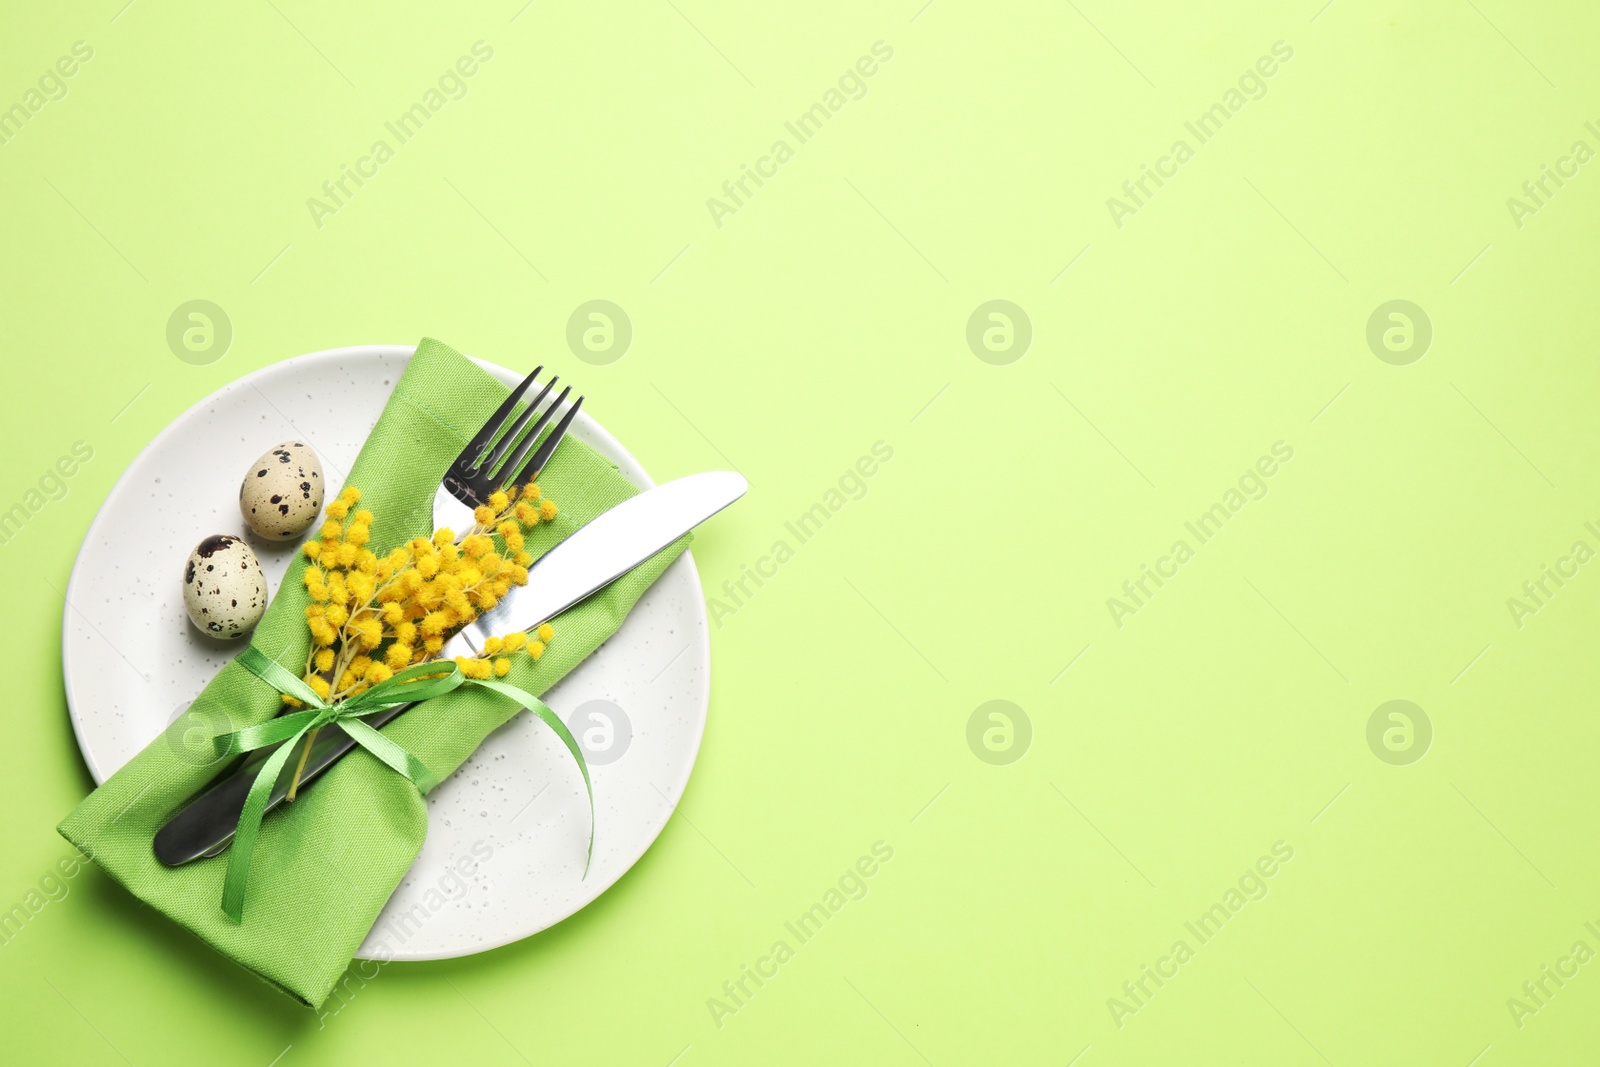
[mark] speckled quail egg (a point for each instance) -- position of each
(224, 590)
(281, 494)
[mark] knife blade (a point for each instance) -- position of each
(591, 558)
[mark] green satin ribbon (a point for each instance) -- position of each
(408, 686)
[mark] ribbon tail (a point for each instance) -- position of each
(392, 754)
(552, 720)
(244, 837)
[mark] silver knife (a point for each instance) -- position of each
(601, 551)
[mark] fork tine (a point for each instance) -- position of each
(503, 472)
(480, 441)
(536, 465)
(492, 462)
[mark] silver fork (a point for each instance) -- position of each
(495, 458)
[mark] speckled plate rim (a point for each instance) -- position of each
(594, 434)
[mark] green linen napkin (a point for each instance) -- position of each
(325, 865)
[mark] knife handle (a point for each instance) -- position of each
(206, 825)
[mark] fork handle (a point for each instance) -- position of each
(206, 825)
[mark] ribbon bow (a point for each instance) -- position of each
(419, 682)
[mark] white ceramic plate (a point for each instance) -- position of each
(507, 832)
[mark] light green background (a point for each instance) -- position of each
(828, 313)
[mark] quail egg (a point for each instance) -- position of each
(224, 590)
(281, 495)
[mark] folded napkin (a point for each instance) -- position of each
(325, 865)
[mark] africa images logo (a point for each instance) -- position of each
(851, 85)
(1251, 886)
(1252, 85)
(338, 191)
(1251, 486)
